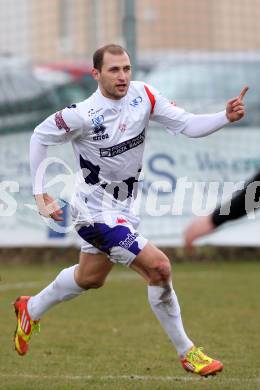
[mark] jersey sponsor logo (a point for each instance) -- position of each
(72, 105)
(128, 241)
(136, 101)
(60, 123)
(123, 146)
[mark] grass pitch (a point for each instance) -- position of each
(110, 339)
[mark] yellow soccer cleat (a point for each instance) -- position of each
(25, 325)
(197, 362)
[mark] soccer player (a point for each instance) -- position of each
(107, 132)
(242, 203)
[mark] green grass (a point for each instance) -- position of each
(109, 338)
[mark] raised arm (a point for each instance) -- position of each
(177, 120)
(203, 125)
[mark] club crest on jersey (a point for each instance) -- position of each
(136, 101)
(99, 128)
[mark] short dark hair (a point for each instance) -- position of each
(99, 54)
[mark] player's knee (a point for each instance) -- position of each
(161, 271)
(89, 283)
(95, 284)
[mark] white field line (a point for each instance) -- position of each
(114, 277)
(18, 286)
(31, 284)
(130, 378)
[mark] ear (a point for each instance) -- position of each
(95, 74)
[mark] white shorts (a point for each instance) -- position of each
(117, 237)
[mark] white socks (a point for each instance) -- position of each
(162, 299)
(165, 306)
(63, 288)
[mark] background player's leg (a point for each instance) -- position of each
(91, 272)
(155, 267)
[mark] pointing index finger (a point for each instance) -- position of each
(243, 92)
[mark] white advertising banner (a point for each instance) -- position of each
(182, 178)
(188, 177)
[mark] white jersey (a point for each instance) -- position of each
(108, 138)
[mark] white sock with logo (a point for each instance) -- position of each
(165, 306)
(63, 288)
